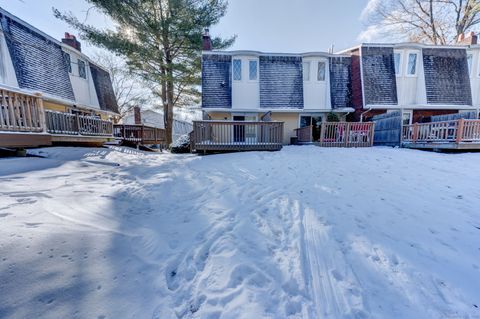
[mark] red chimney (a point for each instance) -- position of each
(207, 41)
(468, 39)
(137, 115)
(72, 41)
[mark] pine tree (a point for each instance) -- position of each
(161, 41)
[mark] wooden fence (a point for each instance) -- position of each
(339, 134)
(236, 135)
(456, 131)
(20, 112)
(139, 134)
(74, 124)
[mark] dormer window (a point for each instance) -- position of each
(306, 71)
(81, 69)
(321, 71)
(412, 64)
(253, 70)
(237, 69)
(396, 59)
(68, 61)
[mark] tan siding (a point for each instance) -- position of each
(290, 124)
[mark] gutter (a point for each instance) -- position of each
(361, 115)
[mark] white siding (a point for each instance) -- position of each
(410, 88)
(83, 89)
(7, 72)
(475, 76)
(316, 94)
(246, 92)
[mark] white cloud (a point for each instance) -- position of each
(370, 8)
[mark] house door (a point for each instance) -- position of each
(315, 122)
(238, 130)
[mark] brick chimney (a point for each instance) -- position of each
(468, 39)
(207, 41)
(137, 115)
(72, 41)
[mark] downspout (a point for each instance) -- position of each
(361, 115)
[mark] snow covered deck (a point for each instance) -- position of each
(236, 136)
(459, 134)
(306, 232)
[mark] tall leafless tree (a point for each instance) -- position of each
(430, 21)
(129, 89)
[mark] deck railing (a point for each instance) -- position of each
(74, 124)
(139, 134)
(455, 131)
(339, 134)
(21, 112)
(236, 135)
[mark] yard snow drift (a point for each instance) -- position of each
(301, 233)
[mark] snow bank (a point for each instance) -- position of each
(302, 233)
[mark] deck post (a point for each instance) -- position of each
(322, 133)
(460, 126)
(41, 112)
(415, 132)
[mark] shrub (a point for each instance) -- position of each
(332, 117)
(181, 145)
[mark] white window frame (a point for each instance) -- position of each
(407, 74)
(233, 70)
(258, 71)
(84, 63)
(410, 113)
(470, 66)
(324, 68)
(306, 65)
(398, 72)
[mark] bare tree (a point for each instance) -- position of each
(129, 89)
(430, 21)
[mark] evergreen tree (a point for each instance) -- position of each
(161, 41)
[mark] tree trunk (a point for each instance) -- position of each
(168, 113)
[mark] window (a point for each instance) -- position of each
(68, 61)
(253, 70)
(306, 71)
(237, 70)
(412, 64)
(469, 61)
(321, 71)
(81, 69)
(396, 58)
(407, 118)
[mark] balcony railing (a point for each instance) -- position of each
(338, 134)
(236, 136)
(455, 131)
(20, 112)
(74, 124)
(139, 134)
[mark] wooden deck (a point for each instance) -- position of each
(217, 136)
(338, 134)
(22, 122)
(139, 134)
(459, 134)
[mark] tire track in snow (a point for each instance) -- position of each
(333, 287)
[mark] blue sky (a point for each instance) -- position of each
(263, 25)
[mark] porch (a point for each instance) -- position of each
(337, 134)
(138, 134)
(74, 128)
(209, 136)
(22, 122)
(461, 134)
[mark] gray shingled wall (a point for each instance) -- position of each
(446, 76)
(379, 82)
(281, 82)
(103, 87)
(216, 81)
(38, 62)
(340, 82)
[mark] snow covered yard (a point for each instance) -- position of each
(302, 233)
